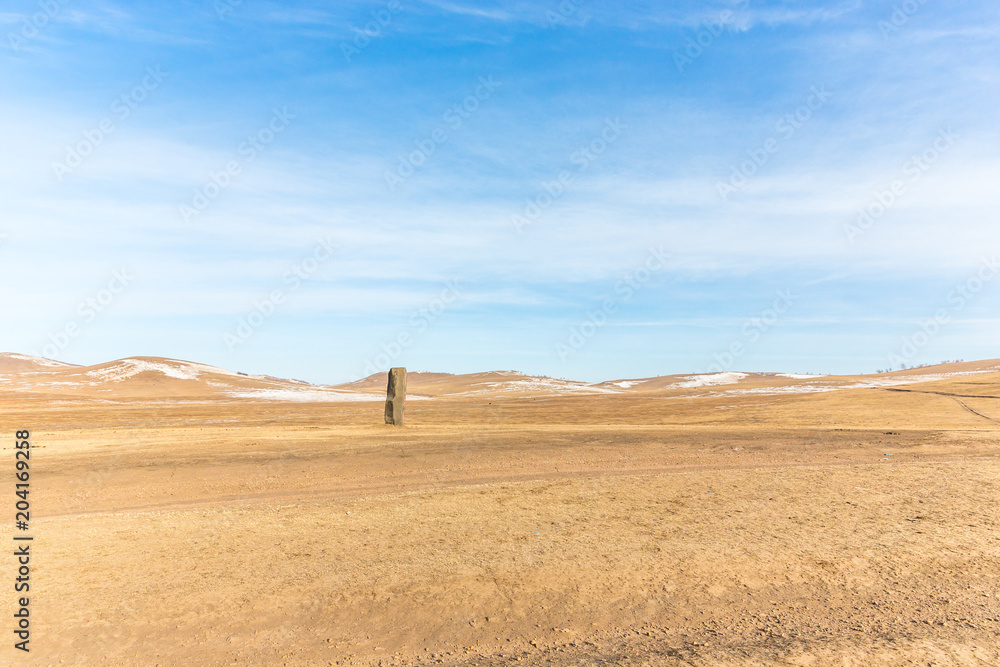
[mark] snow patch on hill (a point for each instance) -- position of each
(874, 383)
(41, 361)
(709, 380)
(769, 391)
(538, 385)
(309, 395)
(625, 384)
(127, 368)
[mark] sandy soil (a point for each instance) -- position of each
(851, 527)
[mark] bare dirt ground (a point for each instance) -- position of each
(851, 527)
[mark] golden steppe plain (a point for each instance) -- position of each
(510, 521)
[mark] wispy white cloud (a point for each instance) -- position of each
(655, 187)
(517, 11)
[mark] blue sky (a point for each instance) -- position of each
(320, 190)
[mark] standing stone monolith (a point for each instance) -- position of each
(395, 396)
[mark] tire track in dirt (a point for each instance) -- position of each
(973, 410)
(940, 393)
(401, 487)
(955, 397)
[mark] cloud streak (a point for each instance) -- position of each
(656, 186)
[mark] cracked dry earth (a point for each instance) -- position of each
(858, 527)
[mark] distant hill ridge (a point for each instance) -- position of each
(161, 377)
